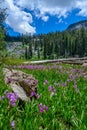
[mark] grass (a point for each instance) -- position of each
(11, 61)
(67, 107)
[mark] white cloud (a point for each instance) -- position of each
(21, 21)
(82, 5)
(54, 7)
(18, 19)
(45, 18)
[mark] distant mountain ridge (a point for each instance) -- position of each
(77, 25)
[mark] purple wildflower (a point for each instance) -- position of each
(64, 84)
(12, 124)
(32, 94)
(85, 76)
(40, 105)
(42, 108)
(76, 88)
(73, 70)
(37, 96)
(72, 77)
(45, 82)
(12, 98)
(45, 107)
(51, 90)
(60, 67)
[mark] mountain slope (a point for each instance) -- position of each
(80, 24)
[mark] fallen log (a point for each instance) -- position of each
(63, 60)
(84, 64)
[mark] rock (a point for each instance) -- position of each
(19, 91)
(21, 83)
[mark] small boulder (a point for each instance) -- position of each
(21, 83)
(84, 64)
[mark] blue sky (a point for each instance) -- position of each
(43, 16)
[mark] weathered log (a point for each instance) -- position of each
(63, 60)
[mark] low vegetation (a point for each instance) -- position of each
(61, 104)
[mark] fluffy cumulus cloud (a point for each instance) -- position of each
(18, 19)
(21, 21)
(82, 5)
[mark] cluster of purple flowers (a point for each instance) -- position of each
(37, 67)
(12, 97)
(31, 67)
(42, 108)
(34, 94)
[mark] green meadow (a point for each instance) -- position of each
(62, 102)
